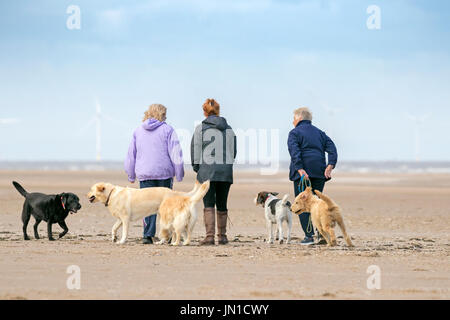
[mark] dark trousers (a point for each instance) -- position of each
(150, 221)
(217, 195)
(316, 184)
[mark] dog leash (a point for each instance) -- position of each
(305, 183)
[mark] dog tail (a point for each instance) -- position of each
(19, 188)
(200, 192)
(194, 190)
(331, 204)
(341, 224)
(284, 201)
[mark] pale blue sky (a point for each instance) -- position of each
(259, 59)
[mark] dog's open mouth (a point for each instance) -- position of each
(73, 211)
(91, 199)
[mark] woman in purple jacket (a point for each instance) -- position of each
(154, 158)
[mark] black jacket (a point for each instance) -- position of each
(213, 150)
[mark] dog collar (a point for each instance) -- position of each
(109, 196)
(62, 202)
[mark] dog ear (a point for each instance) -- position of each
(261, 197)
(100, 187)
(304, 195)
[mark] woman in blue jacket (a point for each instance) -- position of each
(307, 146)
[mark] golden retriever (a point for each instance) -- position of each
(177, 214)
(325, 213)
(129, 204)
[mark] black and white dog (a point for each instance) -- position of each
(276, 211)
(50, 208)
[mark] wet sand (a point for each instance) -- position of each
(397, 222)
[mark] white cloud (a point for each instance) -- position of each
(9, 121)
(113, 18)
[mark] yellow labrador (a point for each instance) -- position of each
(325, 213)
(129, 204)
(178, 215)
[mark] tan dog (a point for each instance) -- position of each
(177, 214)
(325, 213)
(129, 204)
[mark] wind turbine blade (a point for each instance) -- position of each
(86, 126)
(118, 122)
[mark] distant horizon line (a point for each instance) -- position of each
(245, 164)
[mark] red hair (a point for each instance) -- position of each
(211, 108)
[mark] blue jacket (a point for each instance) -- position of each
(307, 146)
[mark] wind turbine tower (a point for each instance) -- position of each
(98, 125)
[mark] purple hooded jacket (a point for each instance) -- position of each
(154, 153)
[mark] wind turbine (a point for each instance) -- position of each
(418, 121)
(97, 121)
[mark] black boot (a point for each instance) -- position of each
(147, 240)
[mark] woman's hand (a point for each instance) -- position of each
(328, 171)
(303, 173)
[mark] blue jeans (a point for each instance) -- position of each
(150, 221)
(316, 184)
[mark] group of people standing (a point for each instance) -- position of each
(155, 158)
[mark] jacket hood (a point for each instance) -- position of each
(152, 124)
(215, 122)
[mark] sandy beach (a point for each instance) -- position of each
(397, 222)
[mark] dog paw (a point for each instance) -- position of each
(26, 238)
(281, 241)
(51, 239)
(186, 243)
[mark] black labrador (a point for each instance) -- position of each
(50, 208)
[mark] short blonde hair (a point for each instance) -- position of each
(155, 111)
(303, 113)
(211, 107)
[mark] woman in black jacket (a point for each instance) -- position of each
(213, 150)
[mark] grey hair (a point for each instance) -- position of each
(303, 113)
